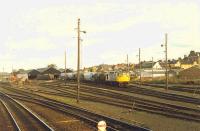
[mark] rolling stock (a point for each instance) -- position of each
(111, 77)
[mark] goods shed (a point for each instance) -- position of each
(33, 74)
(52, 72)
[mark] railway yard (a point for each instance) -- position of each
(135, 107)
(100, 65)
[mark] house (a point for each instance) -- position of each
(52, 72)
(104, 67)
(20, 76)
(48, 73)
(151, 69)
(187, 63)
(191, 73)
(33, 74)
(121, 67)
(149, 65)
(194, 56)
(191, 60)
(174, 64)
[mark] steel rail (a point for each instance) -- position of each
(30, 112)
(176, 110)
(113, 124)
(16, 126)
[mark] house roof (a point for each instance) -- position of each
(51, 70)
(172, 61)
(187, 61)
(147, 64)
(163, 64)
(104, 67)
(34, 71)
(42, 69)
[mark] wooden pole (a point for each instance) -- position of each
(65, 68)
(140, 68)
(152, 68)
(78, 62)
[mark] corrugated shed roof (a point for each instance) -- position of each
(42, 69)
(51, 70)
(145, 64)
(34, 72)
(148, 64)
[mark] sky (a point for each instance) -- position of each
(35, 33)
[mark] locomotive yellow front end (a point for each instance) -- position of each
(123, 79)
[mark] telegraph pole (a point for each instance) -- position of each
(166, 63)
(127, 63)
(152, 68)
(78, 62)
(65, 68)
(140, 68)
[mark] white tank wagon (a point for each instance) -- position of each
(89, 76)
(62, 76)
(22, 78)
(68, 76)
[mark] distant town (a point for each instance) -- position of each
(183, 69)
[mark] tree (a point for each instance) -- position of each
(52, 66)
(21, 70)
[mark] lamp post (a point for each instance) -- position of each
(166, 62)
(78, 62)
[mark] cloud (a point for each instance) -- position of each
(39, 43)
(112, 57)
(113, 30)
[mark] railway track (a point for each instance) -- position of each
(127, 101)
(163, 95)
(83, 114)
(191, 89)
(143, 91)
(7, 120)
(23, 119)
(147, 92)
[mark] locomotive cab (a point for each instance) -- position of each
(117, 78)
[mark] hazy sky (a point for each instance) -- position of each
(35, 33)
